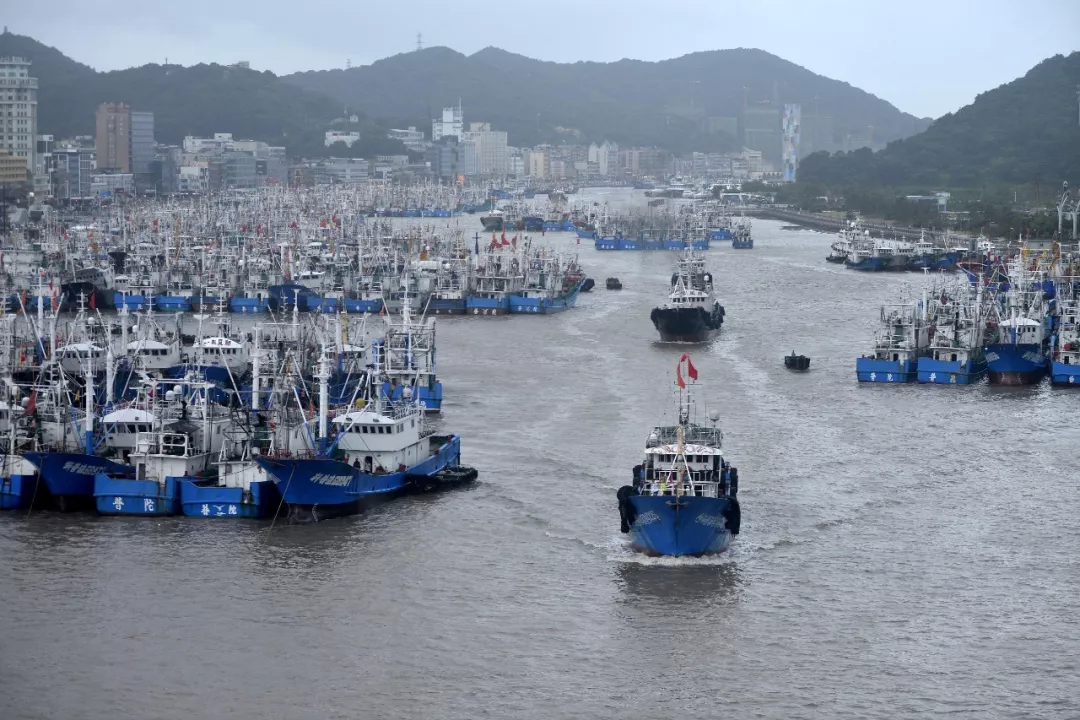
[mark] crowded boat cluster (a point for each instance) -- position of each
(855, 248)
(315, 402)
(1013, 319)
(279, 249)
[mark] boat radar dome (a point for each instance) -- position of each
(714, 415)
(177, 389)
(406, 393)
(170, 395)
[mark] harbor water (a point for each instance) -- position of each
(906, 551)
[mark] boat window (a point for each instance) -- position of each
(364, 429)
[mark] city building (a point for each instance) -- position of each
(536, 163)
(18, 110)
(232, 169)
(112, 184)
(114, 138)
(492, 155)
(443, 158)
(12, 168)
(341, 171)
(44, 164)
(193, 178)
(468, 162)
(451, 124)
(790, 130)
(336, 136)
(73, 171)
(142, 142)
(412, 138)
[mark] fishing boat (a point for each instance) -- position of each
(901, 340)
(1065, 366)
(741, 239)
(372, 455)
(956, 355)
(684, 497)
(492, 221)
(1018, 347)
(691, 313)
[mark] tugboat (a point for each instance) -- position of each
(614, 284)
(684, 497)
(798, 363)
(691, 313)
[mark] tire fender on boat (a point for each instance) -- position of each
(627, 513)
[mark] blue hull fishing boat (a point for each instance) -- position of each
(683, 500)
(69, 476)
(366, 456)
(899, 345)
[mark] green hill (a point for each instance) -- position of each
(1025, 131)
(630, 101)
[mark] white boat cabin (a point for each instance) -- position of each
(73, 357)
(700, 467)
(223, 352)
(123, 427)
(377, 442)
(154, 354)
(1021, 331)
(159, 455)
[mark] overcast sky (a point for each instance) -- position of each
(927, 58)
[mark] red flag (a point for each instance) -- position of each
(93, 303)
(32, 405)
(322, 223)
(55, 302)
(690, 369)
(504, 237)
(678, 376)
(23, 298)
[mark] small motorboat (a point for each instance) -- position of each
(588, 284)
(450, 477)
(799, 363)
(614, 284)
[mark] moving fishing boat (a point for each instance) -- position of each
(684, 496)
(691, 314)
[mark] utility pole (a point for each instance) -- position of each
(419, 41)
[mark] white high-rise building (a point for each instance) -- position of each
(451, 124)
(492, 154)
(18, 109)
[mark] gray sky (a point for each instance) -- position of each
(927, 58)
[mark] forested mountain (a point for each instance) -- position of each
(631, 102)
(198, 100)
(1025, 131)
